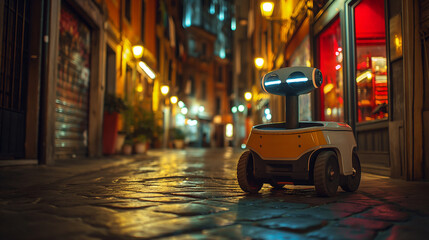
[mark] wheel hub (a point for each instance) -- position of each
(331, 174)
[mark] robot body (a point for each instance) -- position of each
(287, 155)
(309, 153)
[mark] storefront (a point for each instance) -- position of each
(73, 86)
(349, 47)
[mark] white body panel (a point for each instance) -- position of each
(345, 142)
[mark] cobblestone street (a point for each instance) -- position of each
(194, 194)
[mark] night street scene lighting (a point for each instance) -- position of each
(192, 119)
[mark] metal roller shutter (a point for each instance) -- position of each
(72, 88)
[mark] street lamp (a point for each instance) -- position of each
(173, 99)
(267, 9)
(147, 69)
(181, 104)
(259, 62)
(165, 89)
(241, 108)
(248, 96)
(138, 51)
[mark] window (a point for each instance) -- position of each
(179, 83)
(128, 84)
(192, 51)
(204, 50)
(203, 90)
(371, 68)
(330, 60)
(170, 70)
(190, 87)
(220, 76)
(218, 105)
(128, 10)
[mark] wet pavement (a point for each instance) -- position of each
(193, 194)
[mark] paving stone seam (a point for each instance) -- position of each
(385, 201)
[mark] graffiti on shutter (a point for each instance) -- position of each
(72, 88)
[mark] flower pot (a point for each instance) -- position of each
(110, 133)
(140, 147)
(179, 143)
(120, 139)
(127, 149)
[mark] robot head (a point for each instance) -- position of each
(292, 81)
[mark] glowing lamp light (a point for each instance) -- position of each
(140, 88)
(269, 117)
(229, 130)
(147, 70)
(192, 122)
(174, 99)
(267, 111)
(138, 51)
(241, 108)
(267, 9)
(181, 104)
(338, 67)
(184, 111)
(259, 62)
(328, 87)
(234, 109)
(364, 76)
(248, 96)
(165, 89)
(233, 24)
(201, 109)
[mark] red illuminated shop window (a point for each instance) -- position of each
(371, 69)
(330, 53)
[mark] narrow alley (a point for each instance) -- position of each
(194, 194)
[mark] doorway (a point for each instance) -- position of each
(13, 77)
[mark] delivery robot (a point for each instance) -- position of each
(322, 154)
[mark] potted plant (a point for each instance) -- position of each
(140, 144)
(128, 131)
(112, 107)
(178, 138)
(144, 129)
(127, 149)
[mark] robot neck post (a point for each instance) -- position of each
(292, 114)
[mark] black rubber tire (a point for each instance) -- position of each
(351, 183)
(245, 177)
(326, 174)
(277, 186)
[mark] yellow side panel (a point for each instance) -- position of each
(284, 146)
